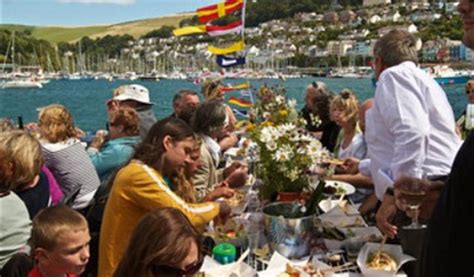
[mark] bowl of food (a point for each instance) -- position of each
(374, 261)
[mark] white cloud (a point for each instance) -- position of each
(115, 2)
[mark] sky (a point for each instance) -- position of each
(90, 12)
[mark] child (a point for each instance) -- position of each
(164, 243)
(59, 242)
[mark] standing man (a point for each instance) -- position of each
(410, 130)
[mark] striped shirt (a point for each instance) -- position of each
(73, 170)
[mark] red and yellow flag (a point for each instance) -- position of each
(236, 87)
(240, 102)
(212, 30)
(212, 12)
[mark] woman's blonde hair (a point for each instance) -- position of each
(347, 101)
(23, 153)
(56, 123)
(211, 89)
(128, 119)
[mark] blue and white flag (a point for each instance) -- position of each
(246, 93)
(241, 113)
(226, 61)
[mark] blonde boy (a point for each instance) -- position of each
(59, 242)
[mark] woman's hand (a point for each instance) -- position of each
(224, 213)
(237, 178)
(351, 166)
(98, 140)
(220, 191)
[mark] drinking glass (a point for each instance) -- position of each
(412, 193)
(254, 233)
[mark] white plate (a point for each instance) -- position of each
(350, 189)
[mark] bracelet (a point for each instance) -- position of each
(389, 191)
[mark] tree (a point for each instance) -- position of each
(164, 32)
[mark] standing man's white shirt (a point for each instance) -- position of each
(410, 130)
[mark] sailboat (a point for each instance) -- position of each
(19, 81)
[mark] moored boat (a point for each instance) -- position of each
(27, 83)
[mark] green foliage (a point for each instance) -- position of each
(28, 50)
(445, 27)
(189, 21)
(164, 32)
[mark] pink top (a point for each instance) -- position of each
(54, 189)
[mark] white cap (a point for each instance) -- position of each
(134, 92)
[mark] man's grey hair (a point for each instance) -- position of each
(178, 96)
(396, 47)
(209, 116)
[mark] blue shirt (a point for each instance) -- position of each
(112, 155)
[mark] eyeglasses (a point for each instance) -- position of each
(164, 270)
(469, 91)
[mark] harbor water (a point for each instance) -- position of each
(86, 99)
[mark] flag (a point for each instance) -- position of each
(233, 27)
(212, 30)
(246, 93)
(240, 102)
(241, 86)
(223, 51)
(212, 12)
(226, 61)
(189, 30)
(241, 113)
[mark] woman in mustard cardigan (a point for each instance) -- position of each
(143, 185)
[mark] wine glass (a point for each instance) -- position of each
(254, 233)
(412, 193)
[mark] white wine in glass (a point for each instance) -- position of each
(412, 194)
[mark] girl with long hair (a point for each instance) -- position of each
(164, 243)
(144, 184)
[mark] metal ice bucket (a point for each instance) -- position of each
(287, 232)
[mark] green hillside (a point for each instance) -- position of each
(57, 34)
(69, 34)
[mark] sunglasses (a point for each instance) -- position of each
(164, 270)
(469, 91)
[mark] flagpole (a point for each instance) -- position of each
(243, 20)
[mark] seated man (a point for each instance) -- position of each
(138, 98)
(210, 123)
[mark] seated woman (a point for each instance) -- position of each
(66, 157)
(45, 175)
(143, 185)
(31, 184)
(184, 180)
(124, 135)
(317, 102)
(350, 143)
(164, 243)
(344, 111)
(212, 91)
(15, 227)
